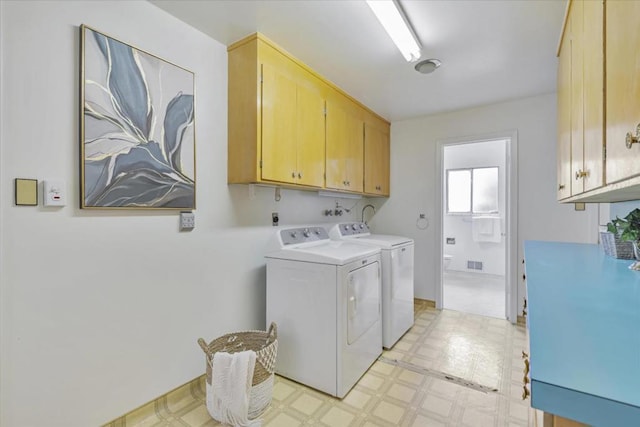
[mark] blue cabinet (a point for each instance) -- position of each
(584, 333)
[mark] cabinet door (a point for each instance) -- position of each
(355, 157)
(310, 137)
(593, 75)
(376, 161)
(344, 153)
(278, 126)
(623, 87)
(577, 100)
(564, 118)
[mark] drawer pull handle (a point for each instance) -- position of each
(560, 187)
(631, 139)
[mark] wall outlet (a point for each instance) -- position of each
(275, 219)
(187, 221)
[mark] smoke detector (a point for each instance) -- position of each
(427, 66)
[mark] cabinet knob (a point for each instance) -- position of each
(560, 187)
(581, 174)
(344, 183)
(293, 174)
(299, 174)
(631, 139)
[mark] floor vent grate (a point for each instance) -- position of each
(474, 265)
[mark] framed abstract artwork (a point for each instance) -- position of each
(137, 128)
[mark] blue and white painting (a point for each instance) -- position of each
(138, 139)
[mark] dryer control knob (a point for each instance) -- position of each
(353, 227)
(306, 233)
(361, 226)
(294, 234)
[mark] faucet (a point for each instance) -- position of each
(365, 207)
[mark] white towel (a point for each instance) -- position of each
(486, 229)
(228, 398)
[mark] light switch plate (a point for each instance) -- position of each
(187, 221)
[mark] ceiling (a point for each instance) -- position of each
(491, 50)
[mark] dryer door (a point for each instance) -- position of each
(363, 300)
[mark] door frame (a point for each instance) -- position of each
(511, 215)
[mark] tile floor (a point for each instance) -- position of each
(475, 293)
(482, 351)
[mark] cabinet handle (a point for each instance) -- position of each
(560, 187)
(299, 175)
(581, 174)
(344, 183)
(348, 183)
(293, 174)
(525, 393)
(631, 139)
(524, 355)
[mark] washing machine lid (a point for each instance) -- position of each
(384, 241)
(333, 252)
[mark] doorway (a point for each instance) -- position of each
(477, 212)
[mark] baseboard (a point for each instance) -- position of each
(144, 411)
(425, 302)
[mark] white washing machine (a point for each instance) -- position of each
(325, 298)
(397, 276)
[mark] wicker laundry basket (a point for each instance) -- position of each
(265, 345)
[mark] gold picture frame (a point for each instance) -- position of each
(137, 128)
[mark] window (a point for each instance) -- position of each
(472, 191)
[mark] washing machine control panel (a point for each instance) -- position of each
(353, 229)
(294, 236)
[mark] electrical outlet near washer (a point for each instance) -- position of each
(187, 221)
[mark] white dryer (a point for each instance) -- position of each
(397, 276)
(325, 298)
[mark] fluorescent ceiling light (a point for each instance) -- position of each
(390, 15)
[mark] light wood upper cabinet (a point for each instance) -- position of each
(292, 130)
(310, 148)
(345, 146)
(279, 111)
(593, 101)
(289, 127)
(376, 160)
(575, 34)
(280, 138)
(581, 100)
(623, 88)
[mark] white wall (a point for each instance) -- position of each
(413, 176)
(491, 254)
(100, 310)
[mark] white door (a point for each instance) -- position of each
(363, 300)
